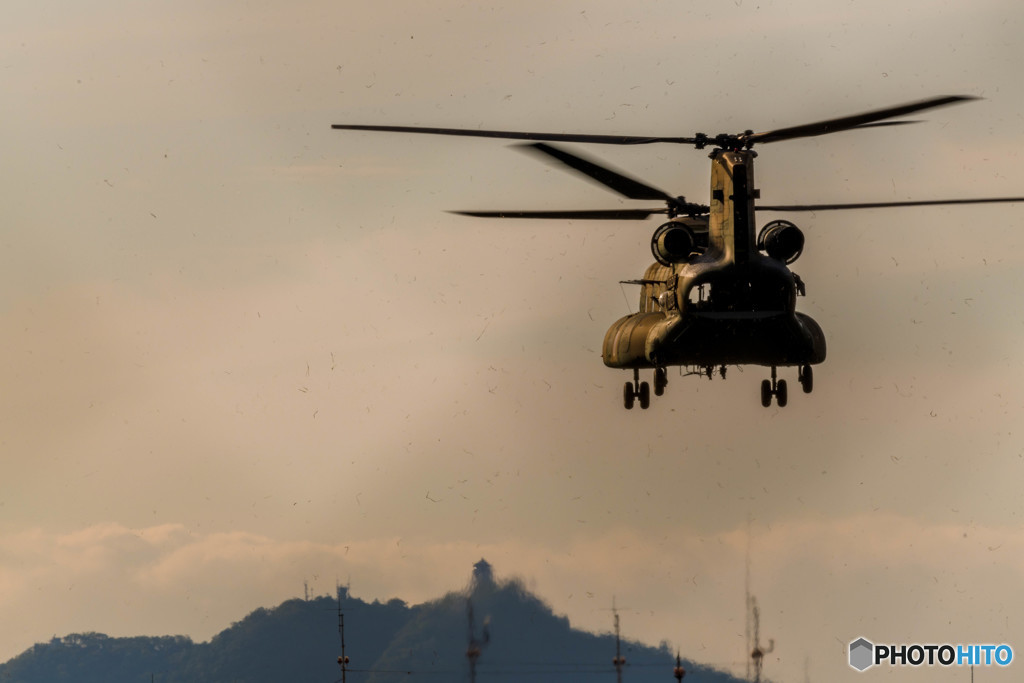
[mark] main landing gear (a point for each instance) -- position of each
(636, 389)
(778, 389)
(773, 388)
(806, 378)
(660, 381)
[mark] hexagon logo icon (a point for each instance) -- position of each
(861, 654)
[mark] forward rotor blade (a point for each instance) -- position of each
(619, 182)
(848, 122)
(600, 214)
(880, 124)
(877, 205)
(517, 135)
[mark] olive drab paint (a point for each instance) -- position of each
(728, 304)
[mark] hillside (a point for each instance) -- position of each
(519, 638)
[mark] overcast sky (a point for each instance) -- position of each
(243, 351)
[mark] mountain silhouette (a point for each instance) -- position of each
(514, 635)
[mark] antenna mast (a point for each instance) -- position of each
(757, 654)
(748, 600)
(679, 671)
(343, 659)
(619, 660)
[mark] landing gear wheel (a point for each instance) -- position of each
(781, 394)
(645, 395)
(628, 395)
(660, 381)
(807, 378)
(776, 388)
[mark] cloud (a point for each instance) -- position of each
(816, 581)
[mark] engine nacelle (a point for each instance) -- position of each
(781, 240)
(673, 242)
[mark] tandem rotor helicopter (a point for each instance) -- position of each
(718, 294)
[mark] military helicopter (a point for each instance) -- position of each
(718, 294)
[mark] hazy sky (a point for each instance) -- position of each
(243, 351)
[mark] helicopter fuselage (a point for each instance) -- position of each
(726, 304)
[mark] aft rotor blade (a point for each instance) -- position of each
(518, 135)
(878, 205)
(600, 214)
(848, 122)
(619, 182)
